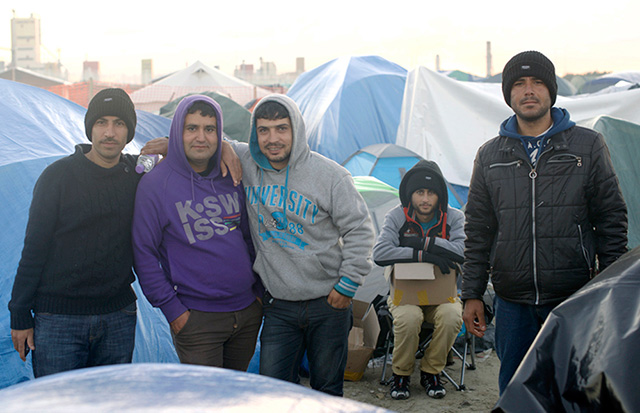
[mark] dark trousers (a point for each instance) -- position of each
(221, 339)
(291, 327)
(517, 325)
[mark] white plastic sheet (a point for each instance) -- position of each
(446, 120)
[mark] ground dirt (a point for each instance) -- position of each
(481, 392)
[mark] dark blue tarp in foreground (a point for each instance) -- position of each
(585, 358)
(36, 128)
(158, 388)
(349, 103)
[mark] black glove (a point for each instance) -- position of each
(417, 243)
(443, 252)
(445, 264)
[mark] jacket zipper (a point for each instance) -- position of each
(566, 158)
(533, 175)
(584, 251)
(517, 163)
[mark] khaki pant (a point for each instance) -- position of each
(407, 323)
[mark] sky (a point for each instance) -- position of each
(577, 37)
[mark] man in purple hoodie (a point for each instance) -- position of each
(192, 246)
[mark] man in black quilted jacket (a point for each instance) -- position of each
(544, 215)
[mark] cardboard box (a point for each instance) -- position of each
(362, 339)
(420, 283)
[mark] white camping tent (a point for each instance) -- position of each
(196, 78)
(446, 120)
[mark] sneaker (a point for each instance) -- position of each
(433, 385)
(400, 387)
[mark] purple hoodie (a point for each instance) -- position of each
(191, 241)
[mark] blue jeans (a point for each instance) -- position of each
(291, 327)
(68, 342)
(517, 325)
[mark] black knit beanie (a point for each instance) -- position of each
(530, 63)
(423, 179)
(111, 102)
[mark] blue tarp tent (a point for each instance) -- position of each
(349, 103)
(565, 88)
(160, 388)
(37, 128)
(389, 162)
(630, 79)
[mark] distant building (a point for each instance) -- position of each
(90, 70)
(30, 77)
(299, 65)
(267, 70)
(267, 75)
(25, 42)
(244, 72)
(146, 71)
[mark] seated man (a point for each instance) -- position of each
(192, 245)
(422, 229)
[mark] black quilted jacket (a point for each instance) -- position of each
(538, 231)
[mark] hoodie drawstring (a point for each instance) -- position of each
(193, 186)
(261, 195)
(193, 191)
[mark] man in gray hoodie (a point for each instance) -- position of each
(313, 239)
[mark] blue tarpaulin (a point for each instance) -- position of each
(37, 128)
(349, 103)
(152, 387)
(389, 162)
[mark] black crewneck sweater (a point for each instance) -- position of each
(77, 254)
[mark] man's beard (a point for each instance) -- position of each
(532, 117)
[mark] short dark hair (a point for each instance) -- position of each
(271, 111)
(204, 108)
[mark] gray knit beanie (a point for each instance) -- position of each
(111, 102)
(530, 63)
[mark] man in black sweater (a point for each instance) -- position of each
(75, 272)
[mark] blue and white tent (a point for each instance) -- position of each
(349, 103)
(389, 163)
(37, 128)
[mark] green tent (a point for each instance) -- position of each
(380, 198)
(236, 119)
(623, 140)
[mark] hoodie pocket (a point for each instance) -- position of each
(311, 267)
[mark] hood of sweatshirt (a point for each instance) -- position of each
(561, 122)
(299, 146)
(176, 156)
(431, 169)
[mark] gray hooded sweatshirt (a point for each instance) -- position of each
(309, 224)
